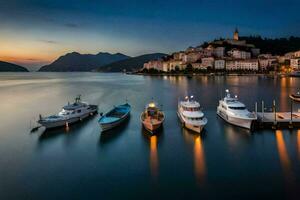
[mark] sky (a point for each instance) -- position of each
(36, 32)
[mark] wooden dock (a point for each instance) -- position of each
(278, 119)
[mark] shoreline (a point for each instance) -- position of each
(206, 74)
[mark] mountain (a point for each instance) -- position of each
(130, 64)
(82, 62)
(9, 67)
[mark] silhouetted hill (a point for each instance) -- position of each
(9, 67)
(130, 64)
(82, 62)
(277, 46)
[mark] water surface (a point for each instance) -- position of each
(82, 163)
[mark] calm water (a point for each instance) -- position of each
(82, 163)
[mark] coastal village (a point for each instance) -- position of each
(228, 55)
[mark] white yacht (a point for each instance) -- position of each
(70, 113)
(190, 115)
(235, 112)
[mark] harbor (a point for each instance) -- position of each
(85, 159)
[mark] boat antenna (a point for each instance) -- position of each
(77, 99)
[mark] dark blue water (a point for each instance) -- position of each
(82, 163)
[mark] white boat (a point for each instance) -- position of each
(235, 112)
(190, 115)
(295, 74)
(69, 114)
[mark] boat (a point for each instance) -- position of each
(294, 74)
(69, 114)
(152, 118)
(190, 115)
(114, 117)
(235, 112)
(295, 97)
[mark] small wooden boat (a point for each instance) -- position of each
(114, 117)
(152, 118)
(295, 97)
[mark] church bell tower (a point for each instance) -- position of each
(236, 34)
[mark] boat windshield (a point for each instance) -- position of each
(237, 108)
(194, 118)
(152, 112)
(191, 109)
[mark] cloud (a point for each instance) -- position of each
(49, 41)
(71, 25)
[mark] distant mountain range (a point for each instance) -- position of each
(9, 67)
(74, 61)
(130, 64)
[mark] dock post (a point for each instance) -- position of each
(256, 110)
(262, 109)
(291, 122)
(274, 110)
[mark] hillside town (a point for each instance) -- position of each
(225, 55)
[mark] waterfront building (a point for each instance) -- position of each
(154, 64)
(166, 66)
(178, 55)
(219, 52)
(295, 63)
(207, 62)
(237, 54)
(191, 57)
(297, 54)
(207, 52)
(263, 63)
(219, 64)
(266, 61)
(198, 65)
(248, 64)
(176, 64)
(289, 55)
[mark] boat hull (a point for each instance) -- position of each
(152, 128)
(197, 129)
(108, 126)
(240, 122)
(66, 122)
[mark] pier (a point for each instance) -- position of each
(278, 120)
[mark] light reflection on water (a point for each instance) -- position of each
(199, 160)
(283, 155)
(153, 157)
(196, 140)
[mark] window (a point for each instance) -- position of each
(78, 111)
(237, 108)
